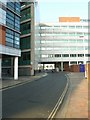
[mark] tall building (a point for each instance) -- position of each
(9, 37)
(65, 43)
(29, 39)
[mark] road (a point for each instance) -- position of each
(35, 99)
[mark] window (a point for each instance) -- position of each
(25, 28)
(72, 41)
(87, 55)
(65, 55)
(17, 23)
(25, 43)
(9, 37)
(17, 40)
(17, 7)
(78, 26)
(85, 27)
(10, 5)
(10, 19)
(79, 41)
(72, 55)
(25, 14)
(71, 26)
(57, 55)
(2, 16)
(80, 55)
(25, 58)
(72, 34)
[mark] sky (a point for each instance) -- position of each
(50, 10)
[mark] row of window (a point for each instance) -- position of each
(65, 26)
(12, 21)
(65, 55)
(12, 38)
(81, 34)
(65, 48)
(15, 6)
(64, 41)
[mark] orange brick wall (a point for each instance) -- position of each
(2, 35)
(69, 19)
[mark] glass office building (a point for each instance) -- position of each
(29, 39)
(9, 37)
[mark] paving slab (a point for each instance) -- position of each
(75, 104)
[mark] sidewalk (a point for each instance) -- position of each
(75, 104)
(9, 81)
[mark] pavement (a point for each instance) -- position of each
(75, 104)
(8, 82)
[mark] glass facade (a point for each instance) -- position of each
(25, 59)
(13, 24)
(29, 40)
(14, 6)
(25, 28)
(2, 16)
(26, 14)
(25, 43)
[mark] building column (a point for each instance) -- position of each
(0, 68)
(15, 68)
(32, 72)
(43, 66)
(69, 63)
(85, 69)
(61, 66)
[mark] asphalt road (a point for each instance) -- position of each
(35, 99)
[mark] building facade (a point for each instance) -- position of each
(9, 38)
(29, 39)
(65, 43)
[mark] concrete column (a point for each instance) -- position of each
(32, 72)
(0, 68)
(69, 63)
(43, 66)
(85, 69)
(61, 66)
(15, 68)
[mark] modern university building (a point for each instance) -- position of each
(29, 38)
(9, 38)
(65, 43)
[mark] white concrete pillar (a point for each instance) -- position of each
(0, 68)
(61, 66)
(85, 69)
(69, 63)
(15, 68)
(32, 72)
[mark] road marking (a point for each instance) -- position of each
(52, 114)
